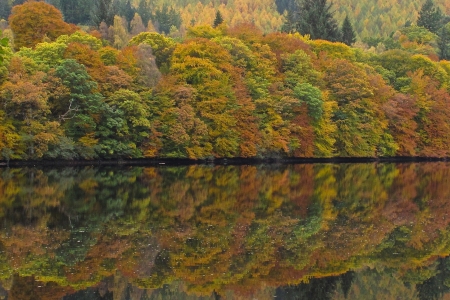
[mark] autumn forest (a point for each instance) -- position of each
(140, 79)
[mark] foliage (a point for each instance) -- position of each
(316, 19)
(430, 16)
(34, 20)
(222, 92)
(348, 34)
(218, 20)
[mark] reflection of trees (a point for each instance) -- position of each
(221, 228)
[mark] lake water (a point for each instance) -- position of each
(306, 231)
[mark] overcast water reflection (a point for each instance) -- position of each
(307, 231)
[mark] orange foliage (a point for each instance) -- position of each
(32, 21)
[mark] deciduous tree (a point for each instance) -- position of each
(34, 20)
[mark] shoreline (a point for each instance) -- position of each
(216, 161)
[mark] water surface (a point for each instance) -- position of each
(307, 231)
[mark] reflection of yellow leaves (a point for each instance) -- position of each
(150, 172)
(88, 185)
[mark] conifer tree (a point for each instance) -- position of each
(166, 18)
(443, 42)
(348, 34)
(127, 11)
(104, 11)
(218, 20)
(76, 11)
(430, 17)
(317, 20)
(5, 10)
(144, 10)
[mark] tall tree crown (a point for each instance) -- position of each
(316, 18)
(348, 34)
(430, 16)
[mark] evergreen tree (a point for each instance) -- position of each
(443, 42)
(290, 22)
(127, 11)
(218, 20)
(165, 18)
(317, 20)
(76, 11)
(430, 17)
(348, 34)
(144, 10)
(104, 11)
(284, 5)
(5, 10)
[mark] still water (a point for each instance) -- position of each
(307, 231)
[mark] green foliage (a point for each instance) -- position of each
(418, 34)
(444, 42)
(3, 45)
(76, 11)
(316, 19)
(218, 20)
(165, 18)
(312, 96)
(348, 34)
(430, 16)
(162, 47)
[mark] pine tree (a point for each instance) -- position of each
(430, 17)
(76, 11)
(5, 10)
(218, 20)
(317, 20)
(144, 10)
(284, 5)
(104, 11)
(290, 23)
(166, 18)
(443, 42)
(127, 11)
(348, 34)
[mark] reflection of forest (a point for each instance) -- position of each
(226, 232)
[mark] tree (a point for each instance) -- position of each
(127, 11)
(5, 10)
(348, 34)
(430, 16)
(76, 11)
(443, 42)
(3, 44)
(144, 10)
(32, 21)
(136, 25)
(80, 110)
(104, 11)
(284, 5)
(121, 35)
(218, 20)
(165, 18)
(317, 20)
(312, 96)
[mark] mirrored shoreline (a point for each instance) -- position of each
(317, 231)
